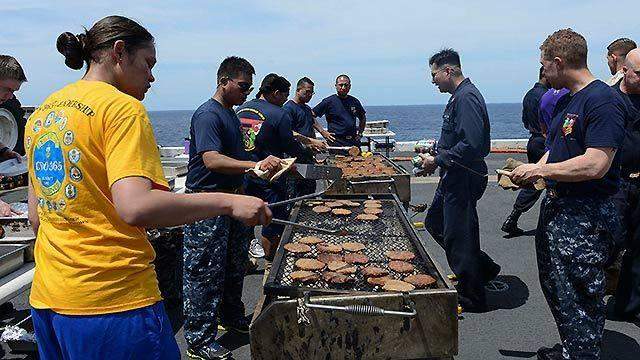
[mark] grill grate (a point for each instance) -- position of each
(379, 236)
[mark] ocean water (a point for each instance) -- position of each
(409, 122)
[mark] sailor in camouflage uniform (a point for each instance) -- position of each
(215, 250)
(578, 220)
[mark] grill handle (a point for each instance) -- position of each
(365, 310)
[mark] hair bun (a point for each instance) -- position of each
(71, 46)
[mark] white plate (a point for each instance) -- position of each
(8, 129)
(12, 167)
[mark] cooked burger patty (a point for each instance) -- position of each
(336, 278)
(374, 271)
(333, 204)
(355, 258)
(310, 240)
(353, 246)
(373, 211)
(367, 217)
(329, 248)
(321, 209)
(327, 258)
(309, 264)
(397, 285)
(378, 281)
(297, 248)
(400, 255)
(420, 280)
(400, 266)
(341, 212)
(304, 276)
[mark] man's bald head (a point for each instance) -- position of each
(631, 70)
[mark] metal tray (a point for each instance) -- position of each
(11, 257)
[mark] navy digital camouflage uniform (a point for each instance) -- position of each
(574, 241)
(214, 267)
(578, 221)
(215, 250)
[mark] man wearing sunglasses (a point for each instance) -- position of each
(215, 250)
(464, 142)
(341, 111)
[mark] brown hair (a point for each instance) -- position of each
(567, 45)
(10, 69)
(621, 47)
(86, 47)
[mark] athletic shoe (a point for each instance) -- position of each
(213, 351)
(255, 249)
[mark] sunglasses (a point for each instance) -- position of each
(343, 85)
(243, 85)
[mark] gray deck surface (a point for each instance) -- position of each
(519, 321)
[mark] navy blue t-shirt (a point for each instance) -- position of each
(214, 128)
(592, 117)
(341, 114)
(275, 136)
(630, 158)
(301, 118)
(531, 108)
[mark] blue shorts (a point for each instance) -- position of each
(143, 333)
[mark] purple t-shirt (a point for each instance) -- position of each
(548, 103)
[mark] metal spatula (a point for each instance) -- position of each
(309, 227)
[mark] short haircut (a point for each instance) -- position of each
(445, 57)
(344, 76)
(272, 83)
(621, 47)
(304, 80)
(568, 45)
(10, 69)
(234, 66)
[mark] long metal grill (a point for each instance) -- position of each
(389, 232)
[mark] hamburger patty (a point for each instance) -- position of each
(329, 248)
(341, 212)
(397, 285)
(309, 264)
(400, 255)
(336, 278)
(420, 280)
(353, 246)
(400, 266)
(378, 281)
(304, 276)
(297, 248)
(327, 258)
(367, 217)
(374, 271)
(321, 209)
(310, 240)
(355, 258)
(373, 211)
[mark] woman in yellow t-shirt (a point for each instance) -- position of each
(95, 183)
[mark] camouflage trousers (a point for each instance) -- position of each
(574, 241)
(215, 253)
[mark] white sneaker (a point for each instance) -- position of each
(255, 249)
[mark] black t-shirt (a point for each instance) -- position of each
(630, 157)
(301, 118)
(341, 114)
(531, 108)
(214, 128)
(592, 117)
(275, 136)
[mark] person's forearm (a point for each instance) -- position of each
(363, 123)
(157, 208)
(32, 206)
(543, 159)
(580, 168)
(225, 165)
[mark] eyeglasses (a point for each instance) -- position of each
(434, 74)
(244, 86)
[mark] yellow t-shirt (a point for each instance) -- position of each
(81, 140)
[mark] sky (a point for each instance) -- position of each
(383, 46)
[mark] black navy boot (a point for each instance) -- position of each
(510, 225)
